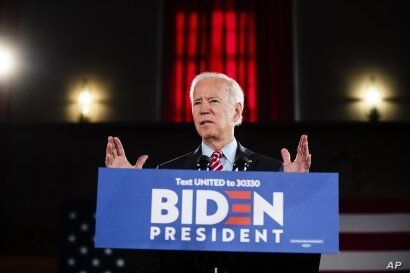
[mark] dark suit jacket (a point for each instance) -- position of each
(233, 262)
(258, 162)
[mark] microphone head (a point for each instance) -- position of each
(241, 163)
(203, 163)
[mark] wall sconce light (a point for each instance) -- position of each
(373, 98)
(7, 61)
(85, 101)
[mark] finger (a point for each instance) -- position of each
(303, 151)
(304, 148)
(110, 140)
(108, 160)
(285, 155)
(306, 145)
(299, 149)
(118, 146)
(309, 162)
(114, 152)
(141, 161)
(110, 145)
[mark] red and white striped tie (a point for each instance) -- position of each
(216, 164)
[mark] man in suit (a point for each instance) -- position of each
(217, 106)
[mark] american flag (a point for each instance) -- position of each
(374, 236)
(77, 251)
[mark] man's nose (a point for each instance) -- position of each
(205, 108)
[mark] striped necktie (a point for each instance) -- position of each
(216, 164)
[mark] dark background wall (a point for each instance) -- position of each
(114, 44)
(340, 45)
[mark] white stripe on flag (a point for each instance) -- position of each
(368, 223)
(364, 260)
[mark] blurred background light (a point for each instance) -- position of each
(8, 60)
(373, 98)
(88, 99)
(85, 100)
(372, 95)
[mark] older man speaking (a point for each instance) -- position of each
(217, 107)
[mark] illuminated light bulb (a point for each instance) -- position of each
(7, 61)
(85, 101)
(372, 95)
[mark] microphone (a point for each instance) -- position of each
(241, 163)
(203, 163)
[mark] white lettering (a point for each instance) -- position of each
(261, 235)
(244, 233)
(187, 201)
(170, 233)
(164, 200)
(202, 198)
(186, 234)
(213, 234)
(277, 233)
(200, 234)
(274, 210)
(227, 235)
(154, 232)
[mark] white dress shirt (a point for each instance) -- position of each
(228, 154)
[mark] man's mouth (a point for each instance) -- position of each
(205, 122)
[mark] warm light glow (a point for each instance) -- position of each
(85, 101)
(363, 101)
(7, 61)
(88, 99)
(372, 95)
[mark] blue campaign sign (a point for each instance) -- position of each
(217, 211)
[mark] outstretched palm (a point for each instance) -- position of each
(303, 159)
(115, 155)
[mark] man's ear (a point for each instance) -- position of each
(238, 112)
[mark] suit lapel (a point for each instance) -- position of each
(190, 162)
(246, 152)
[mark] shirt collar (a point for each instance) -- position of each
(229, 150)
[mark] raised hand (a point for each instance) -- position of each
(303, 159)
(115, 155)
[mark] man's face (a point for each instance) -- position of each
(214, 116)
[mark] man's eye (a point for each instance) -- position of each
(197, 102)
(213, 101)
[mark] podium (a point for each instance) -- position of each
(238, 213)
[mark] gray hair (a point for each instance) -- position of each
(235, 91)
